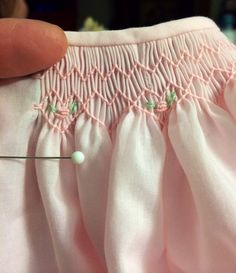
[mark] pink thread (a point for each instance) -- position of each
(131, 103)
(136, 64)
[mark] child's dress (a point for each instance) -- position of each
(153, 110)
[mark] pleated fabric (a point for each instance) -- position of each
(153, 110)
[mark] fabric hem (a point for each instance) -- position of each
(139, 34)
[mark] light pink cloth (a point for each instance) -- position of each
(157, 190)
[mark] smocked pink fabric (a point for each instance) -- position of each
(153, 110)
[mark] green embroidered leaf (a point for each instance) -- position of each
(150, 104)
(52, 108)
(73, 107)
(170, 97)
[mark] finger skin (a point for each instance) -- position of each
(28, 46)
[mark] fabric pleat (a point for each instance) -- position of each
(207, 166)
(134, 209)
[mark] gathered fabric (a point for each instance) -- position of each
(153, 110)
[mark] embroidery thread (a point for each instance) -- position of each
(52, 108)
(73, 107)
(170, 98)
(151, 104)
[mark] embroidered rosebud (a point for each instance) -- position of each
(170, 97)
(162, 106)
(61, 114)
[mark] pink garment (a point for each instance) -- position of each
(153, 110)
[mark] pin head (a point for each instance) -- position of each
(77, 157)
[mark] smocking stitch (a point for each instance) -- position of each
(87, 81)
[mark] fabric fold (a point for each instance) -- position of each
(61, 202)
(92, 182)
(203, 142)
(134, 225)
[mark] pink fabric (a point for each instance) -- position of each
(156, 192)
